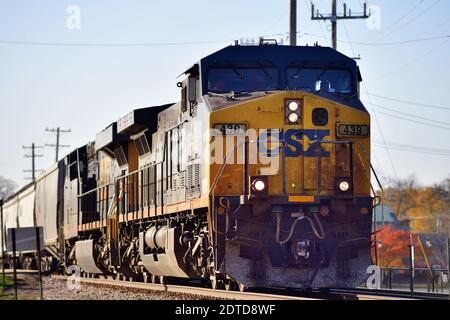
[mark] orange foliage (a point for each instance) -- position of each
(393, 248)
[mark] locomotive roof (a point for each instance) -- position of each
(280, 55)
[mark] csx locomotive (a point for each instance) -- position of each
(258, 177)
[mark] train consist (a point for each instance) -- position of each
(258, 177)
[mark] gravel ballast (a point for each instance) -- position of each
(56, 289)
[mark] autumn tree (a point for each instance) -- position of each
(401, 197)
(428, 214)
(393, 249)
(441, 191)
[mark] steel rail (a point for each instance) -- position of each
(267, 294)
(190, 290)
(263, 294)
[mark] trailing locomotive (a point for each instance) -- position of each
(258, 177)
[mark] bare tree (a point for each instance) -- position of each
(7, 187)
(401, 195)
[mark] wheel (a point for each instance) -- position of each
(242, 287)
(229, 285)
(216, 284)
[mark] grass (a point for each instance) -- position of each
(9, 283)
(7, 292)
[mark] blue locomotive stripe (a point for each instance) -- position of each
(293, 139)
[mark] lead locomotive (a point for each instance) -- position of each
(258, 177)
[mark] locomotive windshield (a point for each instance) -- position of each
(238, 79)
(329, 80)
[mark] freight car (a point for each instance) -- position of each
(258, 177)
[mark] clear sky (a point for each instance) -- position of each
(85, 87)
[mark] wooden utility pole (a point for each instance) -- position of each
(33, 156)
(293, 23)
(58, 132)
(334, 17)
(334, 24)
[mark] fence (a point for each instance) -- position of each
(415, 279)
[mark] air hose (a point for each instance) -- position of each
(320, 235)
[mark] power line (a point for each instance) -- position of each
(412, 19)
(413, 151)
(414, 121)
(394, 43)
(349, 40)
(33, 156)
(163, 44)
(408, 102)
(58, 132)
(414, 60)
(415, 147)
(381, 133)
(397, 21)
(436, 27)
(376, 117)
(277, 21)
(412, 115)
(80, 44)
(334, 17)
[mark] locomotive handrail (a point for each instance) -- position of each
(138, 170)
(379, 185)
(350, 144)
(225, 160)
(95, 189)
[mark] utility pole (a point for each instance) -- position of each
(33, 156)
(334, 17)
(58, 132)
(3, 245)
(293, 23)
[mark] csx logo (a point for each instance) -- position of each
(271, 140)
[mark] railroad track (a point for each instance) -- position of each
(261, 294)
(190, 290)
(368, 294)
(266, 294)
(21, 271)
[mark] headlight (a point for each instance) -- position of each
(292, 111)
(293, 106)
(258, 185)
(293, 118)
(344, 186)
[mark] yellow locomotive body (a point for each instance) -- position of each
(287, 160)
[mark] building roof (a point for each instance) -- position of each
(388, 215)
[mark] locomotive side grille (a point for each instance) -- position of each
(182, 184)
(193, 181)
(189, 176)
(196, 175)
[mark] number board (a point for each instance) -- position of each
(353, 130)
(230, 129)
